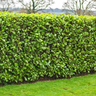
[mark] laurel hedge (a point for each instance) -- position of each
(40, 45)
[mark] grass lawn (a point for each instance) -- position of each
(76, 86)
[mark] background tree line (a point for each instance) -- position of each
(79, 7)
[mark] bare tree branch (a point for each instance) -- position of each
(80, 7)
(5, 4)
(34, 6)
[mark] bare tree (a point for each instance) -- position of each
(79, 7)
(6, 4)
(94, 5)
(33, 6)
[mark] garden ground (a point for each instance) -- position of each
(75, 86)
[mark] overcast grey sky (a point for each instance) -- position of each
(58, 3)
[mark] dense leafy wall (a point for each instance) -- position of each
(38, 45)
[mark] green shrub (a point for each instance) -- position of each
(38, 45)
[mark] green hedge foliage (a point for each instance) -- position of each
(38, 45)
